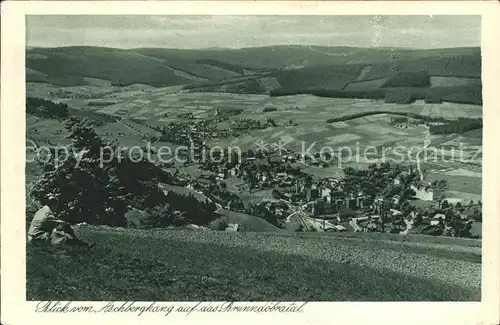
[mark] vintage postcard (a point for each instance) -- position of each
(232, 162)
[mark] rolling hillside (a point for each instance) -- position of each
(279, 70)
(287, 56)
(182, 265)
(67, 67)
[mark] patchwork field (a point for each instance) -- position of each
(358, 142)
(176, 264)
(149, 102)
(339, 106)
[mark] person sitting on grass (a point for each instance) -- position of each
(46, 228)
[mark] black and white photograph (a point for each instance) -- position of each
(253, 158)
(314, 162)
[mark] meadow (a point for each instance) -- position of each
(161, 86)
(183, 265)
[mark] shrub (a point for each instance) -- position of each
(163, 216)
(477, 215)
(269, 109)
(470, 94)
(219, 224)
(101, 103)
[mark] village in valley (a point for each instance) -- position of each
(263, 173)
(386, 197)
(261, 169)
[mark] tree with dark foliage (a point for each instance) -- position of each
(86, 190)
(93, 182)
(46, 108)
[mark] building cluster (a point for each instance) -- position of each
(293, 190)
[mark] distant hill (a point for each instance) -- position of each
(67, 66)
(278, 69)
(283, 56)
(453, 75)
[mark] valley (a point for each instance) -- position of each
(280, 172)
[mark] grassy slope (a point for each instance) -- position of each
(248, 222)
(204, 265)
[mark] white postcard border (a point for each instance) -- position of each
(15, 310)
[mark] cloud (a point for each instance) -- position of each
(131, 31)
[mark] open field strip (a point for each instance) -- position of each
(465, 184)
(466, 197)
(459, 112)
(346, 137)
(380, 130)
(205, 265)
(463, 172)
(340, 125)
(161, 112)
(323, 108)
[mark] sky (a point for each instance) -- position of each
(191, 32)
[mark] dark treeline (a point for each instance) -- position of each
(61, 111)
(358, 115)
(197, 211)
(223, 65)
(471, 94)
(363, 94)
(248, 86)
(46, 108)
(459, 126)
